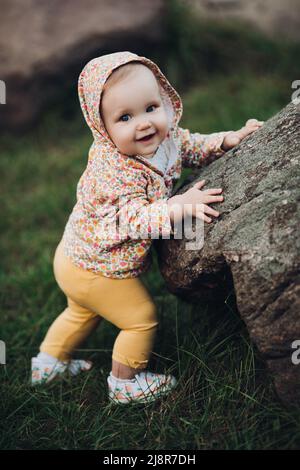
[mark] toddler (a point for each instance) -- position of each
(123, 202)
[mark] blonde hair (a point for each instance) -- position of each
(119, 74)
(122, 72)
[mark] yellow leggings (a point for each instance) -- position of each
(124, 302)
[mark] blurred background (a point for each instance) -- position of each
(230, 60)
(45, 44)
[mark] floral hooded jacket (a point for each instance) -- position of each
(118, 188)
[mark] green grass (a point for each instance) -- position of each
(225, 397)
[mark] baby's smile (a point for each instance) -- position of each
(148, 144)
(147, 137)
(134, 114)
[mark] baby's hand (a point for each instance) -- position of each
(234, 138)
(195, 202)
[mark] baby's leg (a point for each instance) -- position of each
(121, 371)
(127, 304)
(134, 343)
(69, 330)
(124, 302)
(77, 321)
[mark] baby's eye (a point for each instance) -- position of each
(124, 115)
(152, 106)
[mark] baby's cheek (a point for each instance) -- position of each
(125, 139)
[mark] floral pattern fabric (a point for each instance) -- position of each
(122, 200)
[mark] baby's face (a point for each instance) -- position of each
(132, 109)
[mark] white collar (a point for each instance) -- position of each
(165, 155)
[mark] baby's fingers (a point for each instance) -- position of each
(251, 122)
(213, 191)
(199, 184)
(209, 199)
(201, 215)
(210, 210)
(254, 122)
(202, 210)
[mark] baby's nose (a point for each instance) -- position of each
(143, 125)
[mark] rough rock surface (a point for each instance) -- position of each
(255, 241)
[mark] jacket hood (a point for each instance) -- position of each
(90, 87)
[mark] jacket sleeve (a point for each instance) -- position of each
(121, 209)
(138, 218)
(199, 150)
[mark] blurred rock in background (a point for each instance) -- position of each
(276, 18)
(44, 45)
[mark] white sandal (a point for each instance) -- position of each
(143, 388)
(42, 373)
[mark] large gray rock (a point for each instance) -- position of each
(255, 241)
(44, 45)
(273, 17)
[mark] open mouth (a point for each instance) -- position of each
(148, 137)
